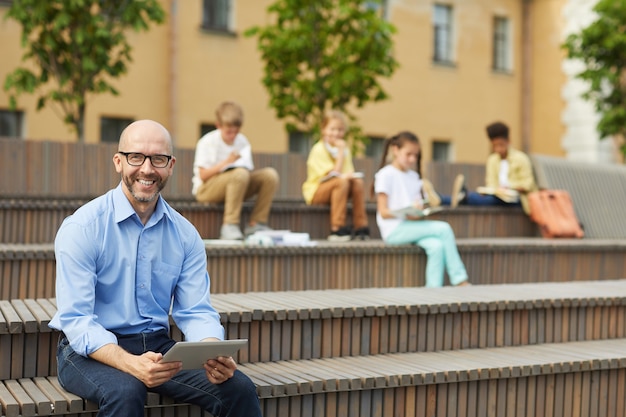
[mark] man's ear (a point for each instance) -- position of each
(117, 161)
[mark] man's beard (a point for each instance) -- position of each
(130, 184)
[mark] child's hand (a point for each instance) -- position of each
(340, 144)
(409, 217)
(234, 155)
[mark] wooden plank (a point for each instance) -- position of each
(43, 405)
(26, 404)
(74, 402)
(58, 401)
(40, 315)
(48, 305)
(10, 405)
(13, 322)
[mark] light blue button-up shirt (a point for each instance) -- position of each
(113, 274)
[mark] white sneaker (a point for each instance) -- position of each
(230, 232)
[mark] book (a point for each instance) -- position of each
(505, 194)
(416, 212)
(244, 160)
(333, 174)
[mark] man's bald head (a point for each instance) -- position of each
(145, 131)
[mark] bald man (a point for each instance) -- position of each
(122, 261)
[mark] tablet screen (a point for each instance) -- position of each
(194, 354)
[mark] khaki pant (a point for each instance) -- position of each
(336, 192)
(236, 185)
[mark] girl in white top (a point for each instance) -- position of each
(397, 185)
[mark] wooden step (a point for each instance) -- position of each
(37, 220)
(549, 379)
(28, 270)
(332, 323)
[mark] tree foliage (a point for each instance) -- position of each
(78, 47)
(602, 48)
(324, 54)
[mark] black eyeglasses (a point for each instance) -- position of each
(137, 159)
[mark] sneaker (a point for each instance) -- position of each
(230, 232)
(344, 234)
(432, 198)
(259, 227)
(458, 191)
(362, 233)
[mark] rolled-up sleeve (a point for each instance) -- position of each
(76, 279)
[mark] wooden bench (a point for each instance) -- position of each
(598, 192)
(36, 169)
(28, 271)
(36, 220)
(549, 379)
(536, 349)
(299, 325)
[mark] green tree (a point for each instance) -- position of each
(78, 47)
(324, 54)
(602, 48)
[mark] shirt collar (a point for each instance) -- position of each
(124, 210)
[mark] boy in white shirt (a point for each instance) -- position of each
(224, 173)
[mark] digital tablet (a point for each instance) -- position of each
(194, 354)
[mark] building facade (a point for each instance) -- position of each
(463, 64)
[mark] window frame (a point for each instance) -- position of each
(443, 34)
(225, 23)
(300, 142)
(441, 148)
(381, 7)
(502, 54)
(114, 138)
(15, 121)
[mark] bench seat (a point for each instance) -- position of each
(36, 220)
(573, 375)
(298, 325)
(28, 270)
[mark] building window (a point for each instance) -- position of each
(502, 44)
(206, 128)
(441, 151)
(375, 147)
(300, 142)
(380, 6)
(11, 123)
(216, 15)
(443, 34)
(111, 128)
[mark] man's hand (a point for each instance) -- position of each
(147, 367)
(220, 370)
(152, 372)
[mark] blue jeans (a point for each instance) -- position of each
(438, 241)
(120, 394)
(476, 199)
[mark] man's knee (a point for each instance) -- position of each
(128, 390)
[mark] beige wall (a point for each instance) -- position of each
(547, 77)
(181, 73)
(450, 103)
